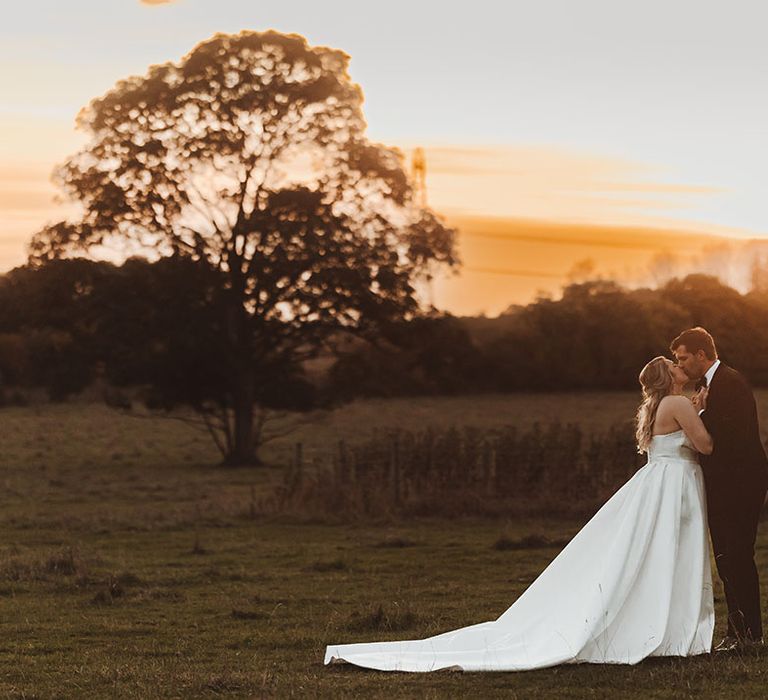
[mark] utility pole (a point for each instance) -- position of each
(419, 182)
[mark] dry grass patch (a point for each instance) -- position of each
(381, 618)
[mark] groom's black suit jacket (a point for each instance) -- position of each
(737, 468)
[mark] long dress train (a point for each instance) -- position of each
(634, 582)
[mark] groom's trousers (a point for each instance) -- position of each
(733, 530)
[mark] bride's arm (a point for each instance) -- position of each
(688, 419)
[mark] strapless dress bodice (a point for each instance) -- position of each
(672, 446)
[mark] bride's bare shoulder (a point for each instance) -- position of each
(675, 402)
(674, 398)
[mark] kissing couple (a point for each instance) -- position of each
(636, 580)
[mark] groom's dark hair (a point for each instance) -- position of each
(696, 339)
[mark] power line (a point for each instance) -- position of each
(529, 237)
(516, 273)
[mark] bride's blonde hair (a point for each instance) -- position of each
(656, 380)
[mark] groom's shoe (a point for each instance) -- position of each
(727, 644)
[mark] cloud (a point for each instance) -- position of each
(549, 183)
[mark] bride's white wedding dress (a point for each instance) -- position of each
(634, 582)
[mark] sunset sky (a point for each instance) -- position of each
(555, 131)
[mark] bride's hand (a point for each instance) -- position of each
(699, 399)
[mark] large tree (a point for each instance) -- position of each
(250, 155)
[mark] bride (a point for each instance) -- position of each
(634, 582)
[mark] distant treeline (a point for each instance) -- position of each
(158, 325)
(597, 336)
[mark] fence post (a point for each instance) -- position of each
(395, 468)
(298, 457)
(341, 464)
(489, 467)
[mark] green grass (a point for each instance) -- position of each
(130, 567)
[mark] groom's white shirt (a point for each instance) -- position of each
(708, 376)
(711, 372)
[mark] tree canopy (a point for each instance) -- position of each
(249, 156)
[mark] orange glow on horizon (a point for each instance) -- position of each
(527, 216)
(511, 261)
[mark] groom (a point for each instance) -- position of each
(736, 479)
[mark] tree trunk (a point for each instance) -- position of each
(244, 447)
(244, 450)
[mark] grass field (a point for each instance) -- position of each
(131, 567)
